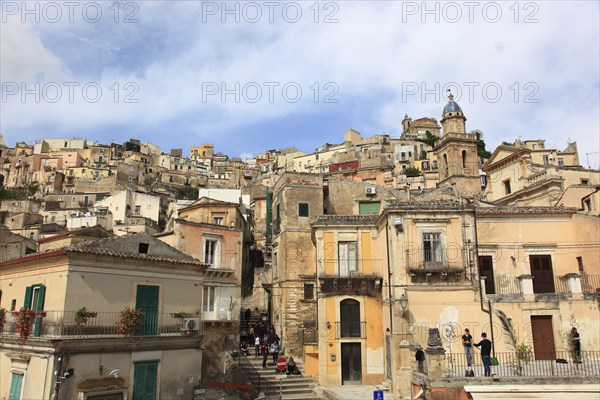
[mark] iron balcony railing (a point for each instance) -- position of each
(64, 324)
(428, 262)
(505, 284)
(350, 329)
(590, 283)
(534, 364)
(351, 268)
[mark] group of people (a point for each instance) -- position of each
(485, 347)
(266, 342)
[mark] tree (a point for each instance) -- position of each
(412, 172)
(481, 151)
(430, 139)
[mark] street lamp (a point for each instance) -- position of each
(403, 300)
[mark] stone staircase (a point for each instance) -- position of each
(293, 387)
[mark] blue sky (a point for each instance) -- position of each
(245, 75)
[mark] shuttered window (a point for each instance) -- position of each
(144, 380)
(16, 383)
(147, 301)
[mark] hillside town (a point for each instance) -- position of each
(130, 271)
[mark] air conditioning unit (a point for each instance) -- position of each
(370, 190)
(191, 324)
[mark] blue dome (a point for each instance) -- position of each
(452, 106)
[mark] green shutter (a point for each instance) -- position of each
(366, 208)
(147, 301)
(28, 292)
(40, 304)
(16, 382)
(144, 381)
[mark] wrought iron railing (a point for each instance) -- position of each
(351, 268)
(590, 283)
(350, 329)
(507, 285)
(61, 324)
(534, 364)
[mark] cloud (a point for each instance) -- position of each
(177, 55)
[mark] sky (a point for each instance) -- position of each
(252, 76)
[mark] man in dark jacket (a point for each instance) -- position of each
(486, 350)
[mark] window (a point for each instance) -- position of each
(543, 277)
(34, 299)
(218, 220)
(486, 268)
(274, 264)
(208, 299)
(303, 209)
(403, 156)
(347, 258)
(585, 181)
(144, 380)
(309, 291)
(561, 162)
(432, 247)
(99, 158)
(580, 263)
(350, 318)
(211, 251)
(16, 384)
(546, 160)
(13, 305)
(369, 207)
(464, 159)
(506, 184)
(143, 248)
(138, 210)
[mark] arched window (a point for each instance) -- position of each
(464, 159)
(350, 318)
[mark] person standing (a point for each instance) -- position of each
(257, 346)
(265, 354)
(467, 341)
(576, 345)
(486, 353)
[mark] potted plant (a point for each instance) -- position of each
(2, 318)
(130, 321)
(180, 315)
(24, 318)
(81, 318)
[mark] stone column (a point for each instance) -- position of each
(435, 355)
(573, 283)
(526, 282)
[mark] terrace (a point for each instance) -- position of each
(52, 325)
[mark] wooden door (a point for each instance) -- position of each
(543, 337)
(351, 364)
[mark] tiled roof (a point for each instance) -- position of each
(525, 210)
(426, 205)
(128, 246)
(346, 220)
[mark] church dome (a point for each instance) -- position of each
(452, 106)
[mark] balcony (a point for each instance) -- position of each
(350, 329)
(429, 268)
(52, 325)
(350, 278)
(582, 364)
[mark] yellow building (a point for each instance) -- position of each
(349, 276)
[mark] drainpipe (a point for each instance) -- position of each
(387, 247)
(489, 310)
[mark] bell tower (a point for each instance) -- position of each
(456, 151)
